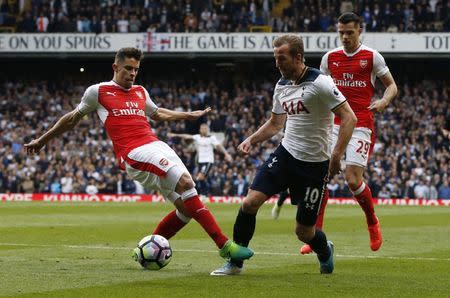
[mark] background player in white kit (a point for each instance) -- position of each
(305, 100)
(204, 145)
(123, 108)
(354, 68)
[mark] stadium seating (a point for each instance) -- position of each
(219, 16)
(411, 156)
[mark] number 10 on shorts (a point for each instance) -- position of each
(311, 197)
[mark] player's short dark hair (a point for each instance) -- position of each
(349, 17)
(129, 53)
(295, 43)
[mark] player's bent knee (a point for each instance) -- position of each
(253, 202)
(183, 214)
(353, 176)
(185, 183)
(304, 233)
(250, 206)
(353, 182)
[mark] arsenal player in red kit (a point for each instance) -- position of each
(354, 68)
(123, 108)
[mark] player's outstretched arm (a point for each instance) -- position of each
(183, 136)
(267, 130)
(170, 115)
(348, 122)
(389, 94)
(65, 123)
(222, 149)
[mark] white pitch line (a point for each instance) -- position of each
(214, 251)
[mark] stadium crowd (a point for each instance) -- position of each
(219, 15)
(411, 155)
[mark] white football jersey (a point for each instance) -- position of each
(205, 148)
(308, 105)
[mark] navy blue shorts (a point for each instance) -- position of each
(306, 182)
(204, 168)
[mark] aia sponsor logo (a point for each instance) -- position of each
(163, 162)
(294, 106)
(363, 63)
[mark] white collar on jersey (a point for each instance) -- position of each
(115, 84)
(355, 52)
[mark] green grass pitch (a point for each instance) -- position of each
(83, 250)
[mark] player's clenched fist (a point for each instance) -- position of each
(245, 146)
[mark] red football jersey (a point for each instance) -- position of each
(355, 74)
(124, 114)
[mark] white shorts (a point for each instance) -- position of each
(156, 166)
(358, 149)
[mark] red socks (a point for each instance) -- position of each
(172, 222)
(170, 225)
(201, 214)
(364, 197)
(319, 221)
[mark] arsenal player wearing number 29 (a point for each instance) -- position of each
(354, 68)
(123, 108)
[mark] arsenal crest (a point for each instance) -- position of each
(363, 63)
(163, 162)
(139, 94)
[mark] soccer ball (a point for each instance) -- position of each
(153, 252)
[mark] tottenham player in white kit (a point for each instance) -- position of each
(204, 145)
(354, 68)
(305, 100)
(123, 108)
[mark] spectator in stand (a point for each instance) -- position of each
(27, 185)
(85, 24)
(42, 23)
(67, 182)
(433, 194)
(135, 24)
(128, 186)
(190, 23)
(384, 193)
(79, 24)
(4, 11)
(444, 190)
(107, 24)
(240, 186)
(421, 190)
(332, 186)
(95, 25)
(91, 188)
(55, 187)
(26, 23)
(122, 24)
